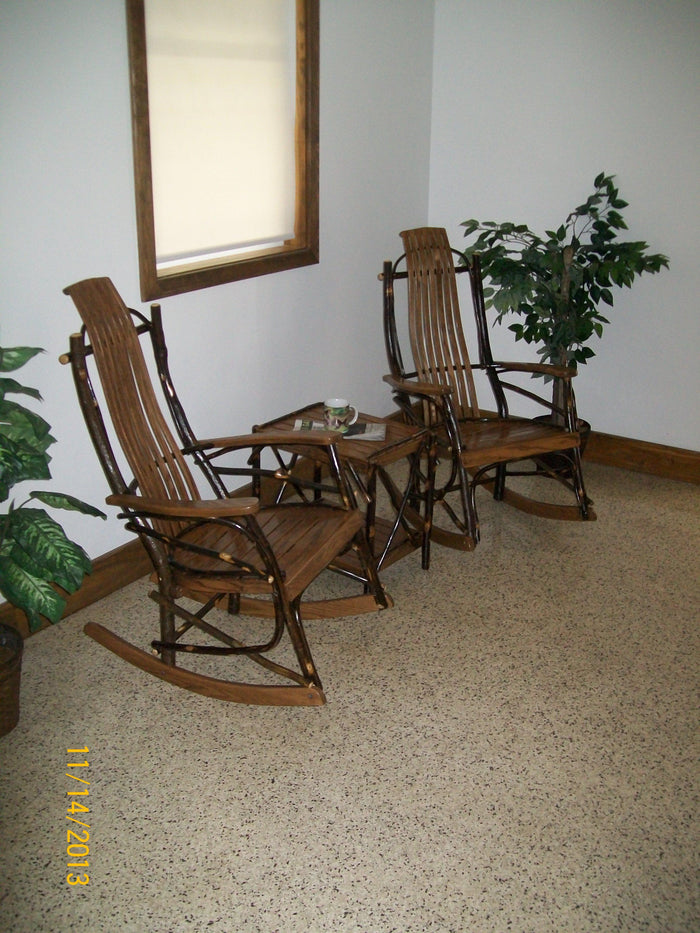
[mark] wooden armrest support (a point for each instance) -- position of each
(186, 508)
(412, 387)
(546, 369)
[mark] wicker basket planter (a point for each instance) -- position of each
(11, 646)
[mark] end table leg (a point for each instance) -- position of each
(428, 493)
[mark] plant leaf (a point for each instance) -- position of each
(47, 547)
(60, 500)
(11, 385)
(14, 357)
(34, 596)
(19, 462)
(21, 424)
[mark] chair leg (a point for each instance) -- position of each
(464, 518)
(373, 585)
(579, 487)
(167, 630)
(468, 493)
(300, 643)
(500, 482)
(429, 504)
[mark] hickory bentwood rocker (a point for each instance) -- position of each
(478, 447)
(296, 472)
(245, 566)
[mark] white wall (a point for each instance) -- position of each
(240, 353)
(530, 101)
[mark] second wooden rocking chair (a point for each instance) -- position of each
(479, 447)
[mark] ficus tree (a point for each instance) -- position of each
(557, 285)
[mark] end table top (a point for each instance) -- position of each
(401, 439)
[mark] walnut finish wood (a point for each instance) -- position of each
(210, 551)
(319, 608)
(483, 450)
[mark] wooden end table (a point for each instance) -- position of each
(367, 461)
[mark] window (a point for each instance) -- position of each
(224, 97)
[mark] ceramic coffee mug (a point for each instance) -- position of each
(338, 414)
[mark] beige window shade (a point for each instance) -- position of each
(221, 86)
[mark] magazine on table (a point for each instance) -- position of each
(361, 430)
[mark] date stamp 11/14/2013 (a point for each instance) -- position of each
(77, 813)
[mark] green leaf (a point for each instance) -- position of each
(33, 595)
(470, 226)
(46, 545)
(11, 466)
(15, 357)
(19, 462)
(60, 500)
(21, 424)
(12, 386)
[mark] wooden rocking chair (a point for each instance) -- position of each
(230, 555)
(480, 447)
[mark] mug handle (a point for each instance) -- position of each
(354, 417)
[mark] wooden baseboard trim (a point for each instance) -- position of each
(626, 453)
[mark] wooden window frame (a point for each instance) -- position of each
(303, 249)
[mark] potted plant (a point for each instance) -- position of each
(557, 283)
(37, 560)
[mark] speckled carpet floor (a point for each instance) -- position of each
(514, 746)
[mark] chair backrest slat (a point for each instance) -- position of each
(437, 339)
(158, 466)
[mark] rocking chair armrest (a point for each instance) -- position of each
(413, 387)
(546, 369)
(186, 508)
(263, 439)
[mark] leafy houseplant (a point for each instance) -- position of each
(34, 550)
(556, 283)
